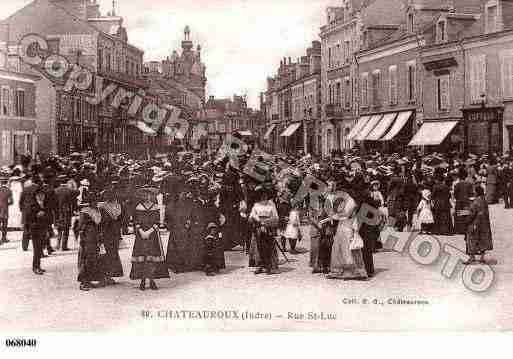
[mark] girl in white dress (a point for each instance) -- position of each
(264, 218)
(425, 212)
(293, 230)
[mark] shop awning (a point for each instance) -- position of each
(245, 133)
(358, 127)
(269, 131)
(291, 130)
(382, 127)
(433, 133)
(400, 122)
(368, 127)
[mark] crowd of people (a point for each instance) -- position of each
(207, 205)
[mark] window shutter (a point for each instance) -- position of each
(507, 75)
(444, 93)
(6, 145)
(389, 85)
(473, 79)
(393, 85)
(14, 102)
(414, 82)
(482, 75)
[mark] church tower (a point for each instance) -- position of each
(187, 43)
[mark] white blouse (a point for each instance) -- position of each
(264, 210)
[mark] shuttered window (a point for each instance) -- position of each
(365, 90)
(392, 85)
(6, 145)
(477, 78)
(411, 82)
(443, 93)
(376, 88)
(347, 93)
(507, 74)
(20, 105)
(5, 101)
(13, 102)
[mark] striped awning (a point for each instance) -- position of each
(358, 127)
(269, 131)
(291, 130)
(433, 133)
(400, 122)
(382, 127)
(373, 122)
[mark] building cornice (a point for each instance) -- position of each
(487, 39)
(440, 49)
(18, 76)
(407, 44)
(327, 30)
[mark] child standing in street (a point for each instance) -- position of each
(425, 212)
(212, 241)
(293, 230)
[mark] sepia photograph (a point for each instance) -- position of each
(237, 166)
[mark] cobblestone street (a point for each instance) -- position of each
(292, 299)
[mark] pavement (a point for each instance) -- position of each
(238, 300)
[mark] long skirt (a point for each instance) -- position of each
(148, 258)
(186, 251)
(346, 263)
(231, 230)
(491, 193)
(314, 251)
(461, 222)
(111, 262)
(89, 269)
(255, 258)
(443, 222)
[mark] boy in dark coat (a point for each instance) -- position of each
(38, 219)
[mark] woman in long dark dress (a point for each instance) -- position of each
(89, 269)
(441, 197)
(463, 191)
(148, 261)
(185, 220)
(110, 227)
(478, 238)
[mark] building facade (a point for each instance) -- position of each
(231, 116)
(292, 104)
(439, 82)
(78, 31)
(348, 26)
(183, 74)
(18, 120)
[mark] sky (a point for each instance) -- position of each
(242, 40)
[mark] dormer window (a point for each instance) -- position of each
(441, 31)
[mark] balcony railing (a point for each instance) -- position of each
(334, 110)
